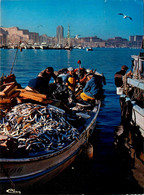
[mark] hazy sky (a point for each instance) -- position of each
(85, 17)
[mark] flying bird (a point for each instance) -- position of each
(40, 25)
(125, 16)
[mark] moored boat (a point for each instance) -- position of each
(36, 46)
(89, 49)
(132, 102)
(44, 45)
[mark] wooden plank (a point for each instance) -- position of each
(32, 97)
(15, 94)
(32, 93)
(9, 88)
(12, 90)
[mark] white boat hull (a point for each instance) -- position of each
(26, 171)
(138, 117)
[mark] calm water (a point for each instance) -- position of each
(108, 172)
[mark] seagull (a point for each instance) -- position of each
(40, 25)
(125, 16)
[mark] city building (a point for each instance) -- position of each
(136, 41)
(117, 42)
(138, 38)
(3, 37)
(60, 35)
(10, 37)
(131, 38)
(14, 35)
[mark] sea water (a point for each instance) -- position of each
(108, 172)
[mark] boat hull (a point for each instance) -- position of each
(131, 112)
(138, 117)
(27, 171)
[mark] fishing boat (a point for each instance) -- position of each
(30, 169)
(39, 140)
(131, 99)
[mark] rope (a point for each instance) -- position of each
(13, 62)
(7, 175)
(11, 190)
(16, 56)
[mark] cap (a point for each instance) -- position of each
(70, 69)
(79, 62)
(124, 67)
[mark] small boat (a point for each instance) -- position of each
(68, 48)
(37, 142)
(79, 47)
(43, 45)
(131, 99)
(89, 49)
(36, 46)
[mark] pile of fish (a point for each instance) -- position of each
(37, 128)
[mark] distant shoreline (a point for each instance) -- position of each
(63, 48)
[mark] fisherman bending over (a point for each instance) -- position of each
(47, 74)
(40, 84)
(92, 88)
(119, 76)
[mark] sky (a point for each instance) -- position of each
(85, 17)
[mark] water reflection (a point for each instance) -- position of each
(68, 57)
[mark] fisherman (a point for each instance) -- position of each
(92, 88)
(79, 71)
(40, 84)
(63, 73)
(119, 76)
(71, 79)
(83, 78)
(82, 82)
(47, 74)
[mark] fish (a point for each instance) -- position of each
(38, 128)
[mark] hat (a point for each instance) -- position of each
(70, 69)
(124, 67)
(79, 62)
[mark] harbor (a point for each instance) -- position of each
(111, 164)
(71, 97)
(36, 46)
